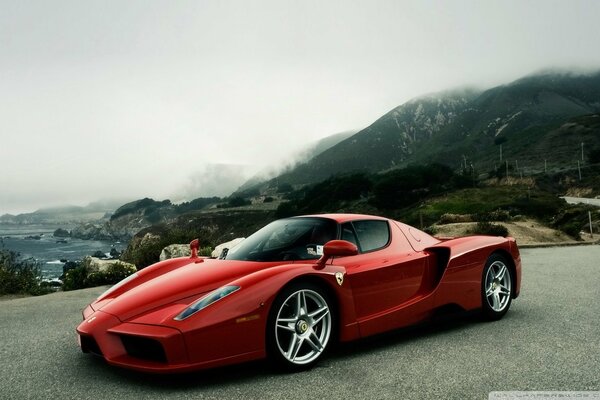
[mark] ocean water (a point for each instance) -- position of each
(46, 251)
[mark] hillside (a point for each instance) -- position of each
(537, 118)
(312, 150)
(96, 211)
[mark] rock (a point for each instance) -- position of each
(94, 265)
(91, 231)
(227, 245)
(114, 253)
(175, 250)
(99, 254)
(62, 233)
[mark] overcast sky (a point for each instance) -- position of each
(103, 99)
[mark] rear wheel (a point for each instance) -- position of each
(300, 326)
(496, 287)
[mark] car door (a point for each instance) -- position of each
(386, 275)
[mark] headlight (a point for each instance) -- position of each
(207, 300)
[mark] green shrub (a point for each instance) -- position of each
(19, 276)
(326, 196)
(75, 278)
(284, 188)
(572, 229)
(431, 230)
(487, 228)
(81, 277)
(403, 187)
(574, 218)
(497, 215)
(235, 202)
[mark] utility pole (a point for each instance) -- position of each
(516, 165)
(591, 230)
(579, 169)
(506, 171)
(581, 151)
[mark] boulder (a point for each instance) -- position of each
(99, 254)
(175, 250)
(91, 231)
(95, 265)
(227, 245)
(114, 253)
(62, 233)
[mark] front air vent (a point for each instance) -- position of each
(144, 348)
(89, 345)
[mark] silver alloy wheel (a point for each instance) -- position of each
(498, 286)
(303, 327)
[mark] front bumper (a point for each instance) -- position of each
(136, 346)
(150, 348)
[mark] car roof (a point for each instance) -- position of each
(341, 218)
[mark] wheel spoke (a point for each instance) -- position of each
(295, 344)
(489, 291)
(504, 290)
(496, 300)
(319, 314)
(285, 326)
(300, 304)
(501, 272)
(314, 341)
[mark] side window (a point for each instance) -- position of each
(348, 233)
(372, 235)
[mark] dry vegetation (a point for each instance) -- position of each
(527, 232)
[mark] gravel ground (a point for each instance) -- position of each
(549, 340)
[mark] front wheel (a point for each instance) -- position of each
(496, 288)
(300, 326)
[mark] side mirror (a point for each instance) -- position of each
(194, 246)
(336, 248)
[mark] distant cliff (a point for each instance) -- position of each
(134, 216)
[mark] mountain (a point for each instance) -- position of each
(96, 211)
(311, 151)
(468, 126)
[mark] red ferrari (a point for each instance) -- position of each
(291, 289)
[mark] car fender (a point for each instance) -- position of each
(142, 276)
(245, 313)
(459, 264)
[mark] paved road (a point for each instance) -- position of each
(583, 200)
(550, 340)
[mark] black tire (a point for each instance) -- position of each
(496, 288)
(300, 328)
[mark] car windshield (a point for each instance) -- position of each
(286, 239)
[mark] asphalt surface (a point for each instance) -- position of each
(583, 200)
(549, 340)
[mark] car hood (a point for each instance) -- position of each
(184, 284)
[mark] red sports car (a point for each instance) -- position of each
(291, 289)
